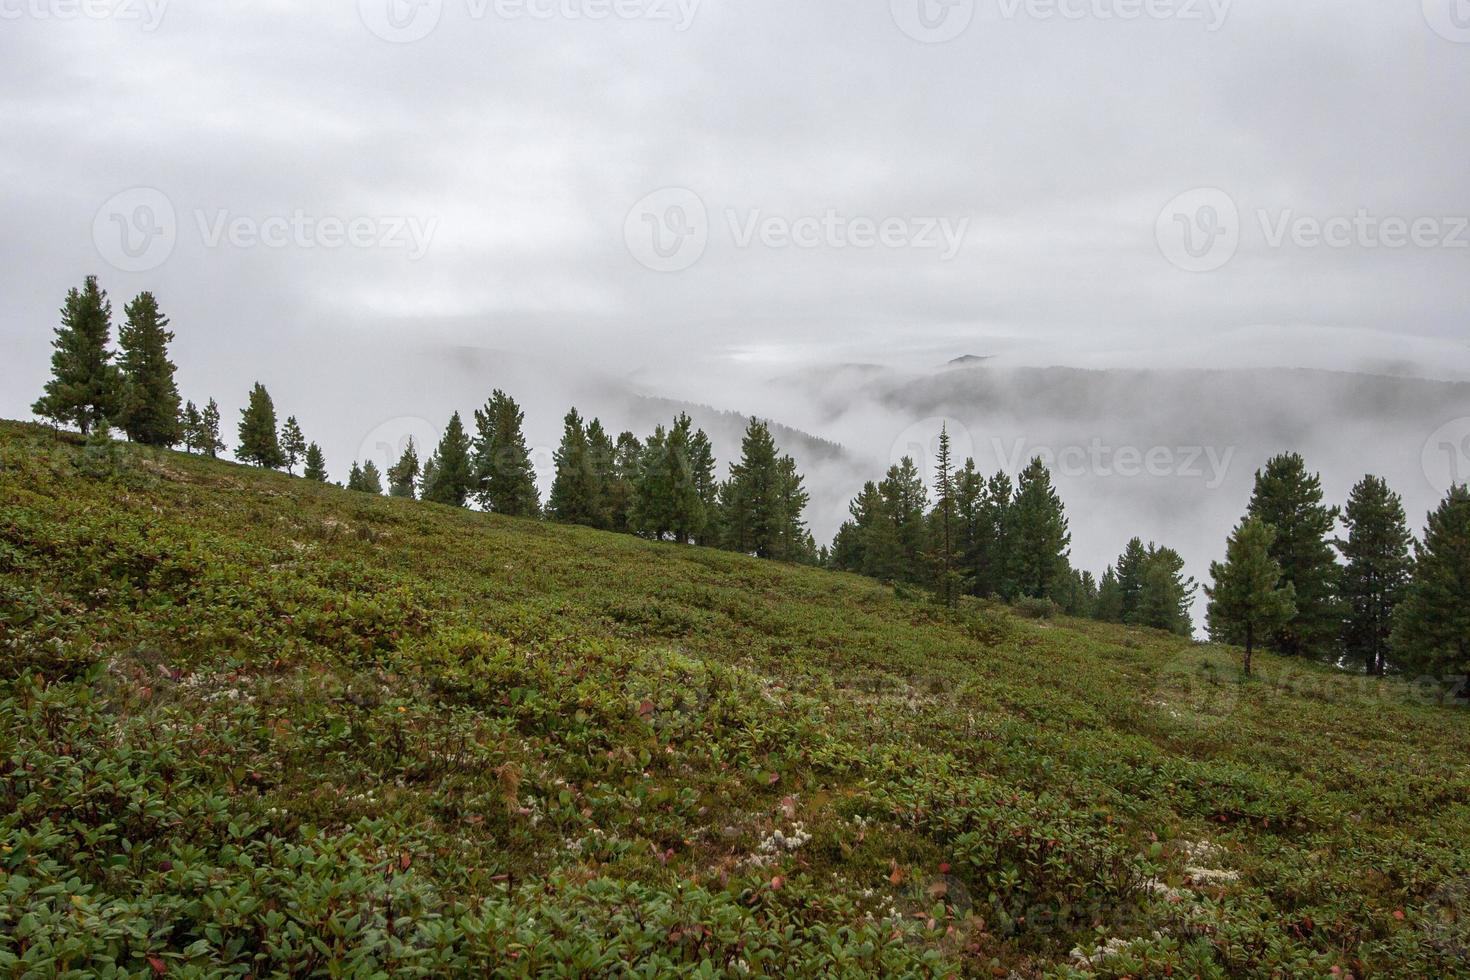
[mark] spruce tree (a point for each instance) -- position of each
(371, 479)
(990, 562)
(450, 477)
(209, 420)
(316, 464)
(293, 443)
(752, 497)
(706, 488)
(83, 388)
(259, 443)
(1431, 631)
(1165, 594)
(862, 544)
(685, 507)
(575, 497)
(1130, 571)
(402, 474)
(1289, 498)
(354, 476)
(905, 499)
(1037, 536)
(148, 396)
(944, 525)
(1109, 606)
(1377, 572)
(602, 455)
(191, 426)
(505, 480)
(1249, 600)
(621, 492)
(795, 542)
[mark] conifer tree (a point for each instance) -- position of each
(1248, 601)
(316, 464)
(209, 420)
(575, 495)
(1037, 535)
(602, 456)
(706, 487)
(191, 426)
(371, 479)
(862, 543)
(1079, 594)
(1289, 498)
(905, 498)
(755, 515)
(621, 492)
(989, 562)
(258, 441)
(1165, 594)
(795, 542)
(1377, 572)
(1109, 607)
(947, 579)
(148, 397)
(1130, 571)
(1431, 630)
(293, 443)
(83, 388)
(505, 480)
(354, 476)
(449, 477)
(402, 474)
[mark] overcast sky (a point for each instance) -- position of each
(686, 192)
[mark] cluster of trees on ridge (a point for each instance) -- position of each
(1393, 602)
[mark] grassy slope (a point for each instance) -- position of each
(256, 724)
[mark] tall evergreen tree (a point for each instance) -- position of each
(258, 441)
(83, 388)
(1109, 606)
(209, 420)
(1130, 570)
(795, 542)
(621, 491)
(191, 425)
(354, 476)
(896, 553)
(969, 503)
(293, 443)
(944, 522)
(864, 544)
(653, 493)
(449, 477)
(990, 561)
(505, 480)
(148, 396)
(575, 497)
(1248, 601)
(1037, 535)
(1290, 499)
(1377, 572)
(706, 488)
(602, 454)
(686, 515)
(1078, 594)
(1432, 624)
(755, 512)
(316, 464)
(371, 480)
(1165, 593)
(403, 474)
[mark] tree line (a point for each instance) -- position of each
(1376, 597)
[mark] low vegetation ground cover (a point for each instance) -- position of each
(251, 724)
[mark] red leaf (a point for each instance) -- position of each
(944, 867)
(773, 779)
(159, 966)
(645, 709)
(404, 861)
(777, 882)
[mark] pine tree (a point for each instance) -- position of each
(402, 474)
(316, 464)
(905, 498)
(752, 497)
(1130, 570)
(505, 480)
(83, 388)
(602, 455)
(947, 579)
(354, 476)
(192, 427)
(1165, 594)
(1079, 594)
(293, 443)
(706, 488)
(1431, 630)
(148, 397)
(989, 564)
(969, 500)
(1109, 606)
(209, 419)
(1249, 600)
(258, 441)
(861, 540)
(371, 479)
(795, 541)
(685, 508)
(449, 477)
(621, 492)
(1377, 572)
(575, 497)
(1037, 536)
(1290, 499)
